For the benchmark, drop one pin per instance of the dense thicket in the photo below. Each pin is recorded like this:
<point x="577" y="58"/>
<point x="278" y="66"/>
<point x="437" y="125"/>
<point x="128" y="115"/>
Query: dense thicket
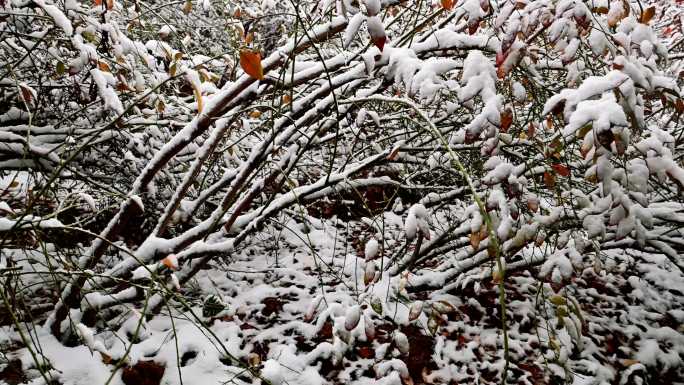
<point x="373" y="191"/>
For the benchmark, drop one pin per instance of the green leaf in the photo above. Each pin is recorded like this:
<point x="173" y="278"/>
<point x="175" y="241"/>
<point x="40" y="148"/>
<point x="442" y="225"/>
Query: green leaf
<point x="376" y="305"/>
<point x="212" y="306"/>
<point x="582" y="132"/>
<point x="557" y="300"/>
<point x="61" y="68"/>
<point x="433" y="323"/>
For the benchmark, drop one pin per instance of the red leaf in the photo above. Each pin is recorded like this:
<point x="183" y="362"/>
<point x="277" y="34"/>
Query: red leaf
<point x="26" y="94"/>
<point x="377" y="32"/>
<point x="380" y="42"/>
<point x="561" y="169"/>
<point x="500" y="57"/>
<point x="366" y="352"/>
<point x="472" y="27"/>
<point x="549" y="179"/>
<point x="506" y="120"/>
<point x="447" y="4"/>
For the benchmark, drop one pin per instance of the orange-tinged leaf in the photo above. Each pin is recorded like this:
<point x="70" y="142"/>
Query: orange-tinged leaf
<point x="585" y="148"/>
<point x="647" y="15"/>
<point x="253" y="359"/>
<point x="250" y="61"/>
<point x="592" y="178"/>
<point x="630" y="362"/>
<point x="501" y="72"/>
<point x="497" y="277"/>
<point x="249" y="37"/>
<point x="549" y="122"/>
<point x="171" y="262"/>
<point x="123" y="87"/>
<point x="483" y="232"/>
<point x="626" y="7"/>
<point x="286" y="99"/>
<point x="200" y="101"/>
<point x="679" y="105"/>
<point x="448" y="4"/>
<point x="109" y="3"/>
<point x="161" y="107"/>
<point x="172" y="69"/>
<point x="106" y="358"/>
<point x="204" y="75"/>
<point x="103" y="66"/>
<point x="475" y="240"/>
<point x="187" y="7"/>
<point x="506" y="120"/>
<point x="549" y="179"/>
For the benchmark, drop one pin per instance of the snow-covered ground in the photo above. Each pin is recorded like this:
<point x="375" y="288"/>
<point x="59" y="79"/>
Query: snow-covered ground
<point x="296" y="310"/>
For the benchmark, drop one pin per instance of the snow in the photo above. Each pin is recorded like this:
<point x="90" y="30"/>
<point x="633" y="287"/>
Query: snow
<point x="57" y="16"/>
<point x="352" y="28"/>
<point x="372" y="248"/>
<point x="346" y="227"/>
<point x="273" y="372"/>
<point x="519" y="92"/>
<point x="402" y="342"/>
<point x="372" y="7"/>
<point x="109" y="97"/>
<point x="29" y="221"/>
<point x="352" y="317"/>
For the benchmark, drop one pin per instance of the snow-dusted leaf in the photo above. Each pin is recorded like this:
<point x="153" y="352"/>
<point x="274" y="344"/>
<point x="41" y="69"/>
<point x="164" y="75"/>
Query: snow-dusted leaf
<point x="352" y="28"/>
<point x="377" y="31"/>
